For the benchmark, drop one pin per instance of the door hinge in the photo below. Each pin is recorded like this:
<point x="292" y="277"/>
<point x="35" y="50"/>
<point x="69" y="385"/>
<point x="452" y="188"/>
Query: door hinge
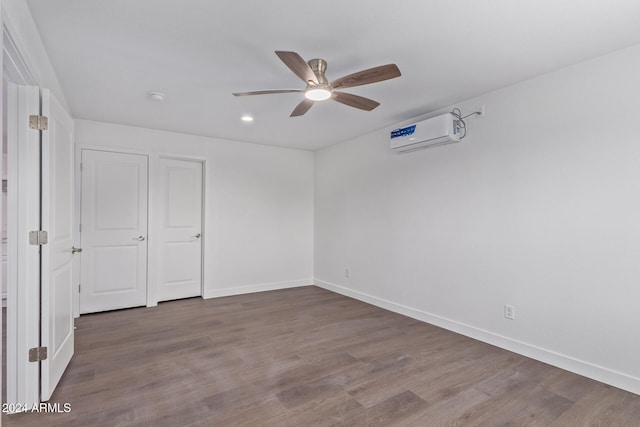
<point x="38" y="122"/>
<point x="38" y="237"/>
<point x="37" y="354"/>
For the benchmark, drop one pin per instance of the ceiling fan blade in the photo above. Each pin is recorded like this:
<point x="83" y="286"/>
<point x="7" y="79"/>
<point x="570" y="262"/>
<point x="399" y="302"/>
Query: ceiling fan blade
<point x="298" y="65"/>
<point x="355" y="101"/>
<point x="365" y="77"/>
<point x="302" y="108"/>
<point x="266" y="92"/>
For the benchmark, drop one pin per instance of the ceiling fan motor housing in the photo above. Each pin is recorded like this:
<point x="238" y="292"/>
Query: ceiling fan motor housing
<point x="319" y="67"/>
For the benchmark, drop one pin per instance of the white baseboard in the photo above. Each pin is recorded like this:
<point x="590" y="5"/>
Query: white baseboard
<point x="239" y="290"/>
<point x="580" y="367"/>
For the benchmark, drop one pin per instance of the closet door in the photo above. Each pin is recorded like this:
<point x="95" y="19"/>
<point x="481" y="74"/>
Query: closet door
<point x="113" y="231"/>
<point x="180" y="238"/>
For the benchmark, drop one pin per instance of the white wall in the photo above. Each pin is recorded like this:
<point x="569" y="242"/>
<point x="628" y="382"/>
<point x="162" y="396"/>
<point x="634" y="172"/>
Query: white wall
<point x="538" y="207"/>
<point x="258" y="200"/>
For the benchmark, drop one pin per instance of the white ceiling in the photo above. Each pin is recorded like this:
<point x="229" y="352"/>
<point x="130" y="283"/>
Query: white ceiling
<point x="109" y="54"/>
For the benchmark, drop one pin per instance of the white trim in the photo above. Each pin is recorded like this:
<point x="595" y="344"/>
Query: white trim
<point x="152" y="176"/>
<point x="18" y="68"/>
<point x="77" y="242"/>
<point x="23" y="215"/>
<point x="174" y="156"/>
<point x="589" y="370"/>
<point x="110" y="149"/>
<point x="240" y="290"/>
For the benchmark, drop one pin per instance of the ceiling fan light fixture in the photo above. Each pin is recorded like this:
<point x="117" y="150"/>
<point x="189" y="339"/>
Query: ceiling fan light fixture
<point x="317" y="94"/>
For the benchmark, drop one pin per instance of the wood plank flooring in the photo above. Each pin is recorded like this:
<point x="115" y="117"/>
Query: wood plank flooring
<point x="309" y="357"/>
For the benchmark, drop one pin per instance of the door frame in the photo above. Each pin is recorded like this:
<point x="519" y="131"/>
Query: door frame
<point x="154" y="226"/>
<point x="22" y="322"/>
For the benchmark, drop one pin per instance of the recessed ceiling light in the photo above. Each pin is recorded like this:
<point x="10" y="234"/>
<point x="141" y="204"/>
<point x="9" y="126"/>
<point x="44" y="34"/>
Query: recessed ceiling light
<point x="246" y="118"/>
<point x="156" y="96"/>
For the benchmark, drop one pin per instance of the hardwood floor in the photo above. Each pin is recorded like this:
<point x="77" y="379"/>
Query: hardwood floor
<point x="309" y="357"/>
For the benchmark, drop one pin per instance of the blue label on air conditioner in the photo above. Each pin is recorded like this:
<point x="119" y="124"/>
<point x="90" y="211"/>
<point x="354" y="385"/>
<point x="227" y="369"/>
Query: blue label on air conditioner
<point x="409" y="130"/>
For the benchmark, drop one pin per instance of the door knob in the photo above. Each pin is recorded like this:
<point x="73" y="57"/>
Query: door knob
<point x="74" y="249"/>
<point x="140" y="238"/>
<point x="197" y="236"/>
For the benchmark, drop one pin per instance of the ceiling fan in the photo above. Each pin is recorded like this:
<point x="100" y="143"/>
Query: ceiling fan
<point x="320" y="89"/>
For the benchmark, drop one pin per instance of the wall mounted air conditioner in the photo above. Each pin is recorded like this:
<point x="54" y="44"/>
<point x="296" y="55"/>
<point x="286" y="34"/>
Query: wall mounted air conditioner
<point x="439" y="130"/>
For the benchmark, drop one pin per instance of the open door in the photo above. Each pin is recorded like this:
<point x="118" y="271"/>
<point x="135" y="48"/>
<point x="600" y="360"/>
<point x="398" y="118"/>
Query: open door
<point x="40" y="292"/>
<point x="56" y="298"/>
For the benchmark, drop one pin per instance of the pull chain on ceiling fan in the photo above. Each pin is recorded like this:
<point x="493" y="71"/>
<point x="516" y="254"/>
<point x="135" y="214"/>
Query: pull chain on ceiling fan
<point x="319" y="88"/>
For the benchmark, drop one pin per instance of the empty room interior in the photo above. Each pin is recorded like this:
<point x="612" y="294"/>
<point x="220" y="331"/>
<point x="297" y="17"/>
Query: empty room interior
<point x="281" y="213"/>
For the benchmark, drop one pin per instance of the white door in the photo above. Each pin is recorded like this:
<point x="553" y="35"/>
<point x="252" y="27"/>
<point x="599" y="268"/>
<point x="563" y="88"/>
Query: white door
<point x="57" y="219"/>
<point x="113" y="231"/>
<point x="40" y="312"/>
<point x="180" y="219"/>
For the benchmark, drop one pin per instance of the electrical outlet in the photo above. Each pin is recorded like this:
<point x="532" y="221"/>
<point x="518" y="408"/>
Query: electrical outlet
<point x="509" y="312"/>
<point x="480" y="109"/>
<point x="347" y="273"/>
